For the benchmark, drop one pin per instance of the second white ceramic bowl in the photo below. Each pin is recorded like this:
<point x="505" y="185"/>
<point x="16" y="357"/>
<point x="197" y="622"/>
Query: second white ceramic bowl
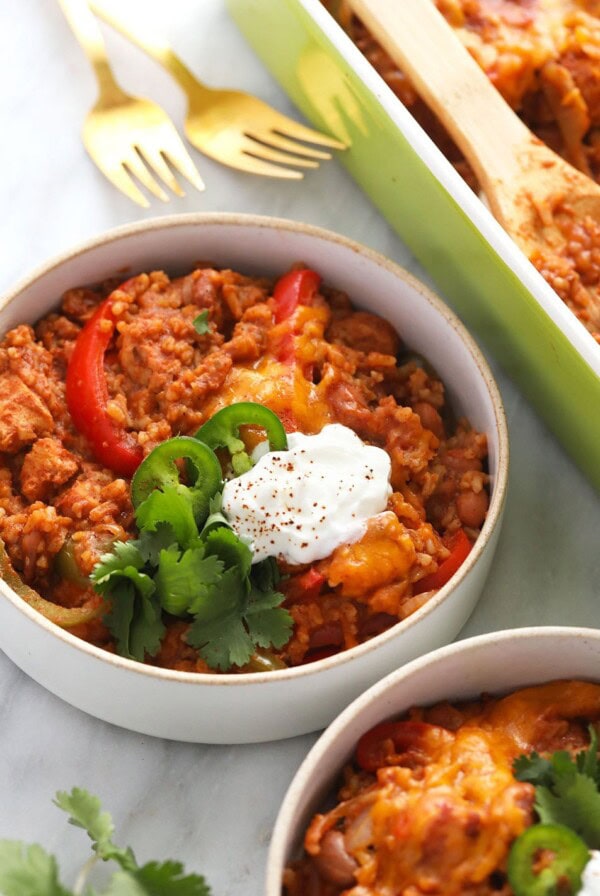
<point x="496" y="663"/>
<point x="263" y="706"/>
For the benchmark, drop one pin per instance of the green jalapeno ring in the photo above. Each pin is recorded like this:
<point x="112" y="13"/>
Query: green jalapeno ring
<point x="562" y="874"/>
<point x="158" y="470"/>
<point x="223" y="431"/>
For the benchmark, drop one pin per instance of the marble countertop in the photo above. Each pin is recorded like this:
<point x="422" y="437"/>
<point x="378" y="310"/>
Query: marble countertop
<point x="213" y="807"/>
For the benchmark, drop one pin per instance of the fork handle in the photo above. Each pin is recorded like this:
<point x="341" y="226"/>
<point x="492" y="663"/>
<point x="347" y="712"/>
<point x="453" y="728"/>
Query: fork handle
<point x="155" y="47"/>
<point x="422" y="43"/>
<point x="89" y="36"/>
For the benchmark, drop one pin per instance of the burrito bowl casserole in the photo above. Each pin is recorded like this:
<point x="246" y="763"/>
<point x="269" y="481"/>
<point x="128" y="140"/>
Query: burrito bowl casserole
<point x="542" y="56"/>
<point x="494" y="795"/>
<point x="95" y="391"/>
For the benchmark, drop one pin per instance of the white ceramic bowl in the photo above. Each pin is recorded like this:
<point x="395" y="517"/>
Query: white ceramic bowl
<point x="265" y="706"/>
<point x="494" y="663"/>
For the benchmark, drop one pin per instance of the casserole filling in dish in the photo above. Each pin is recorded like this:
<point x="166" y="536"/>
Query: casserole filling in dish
<point x="543" y="56"/>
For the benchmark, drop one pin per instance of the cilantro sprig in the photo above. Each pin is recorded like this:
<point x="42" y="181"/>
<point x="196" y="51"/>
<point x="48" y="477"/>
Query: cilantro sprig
<point x="567" y="804"/>
<point x="197" y="570"/>
<point x="28" y="870"/>
<point x="567" y="789"/>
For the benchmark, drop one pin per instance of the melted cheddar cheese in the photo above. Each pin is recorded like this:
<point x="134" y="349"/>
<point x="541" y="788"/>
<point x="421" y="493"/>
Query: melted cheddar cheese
<point x="441" y="810"/>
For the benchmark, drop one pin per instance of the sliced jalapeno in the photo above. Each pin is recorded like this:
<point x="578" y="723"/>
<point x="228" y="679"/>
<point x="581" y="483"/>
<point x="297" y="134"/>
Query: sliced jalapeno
<point x="223" y="431"/>
<point x="159" y="470"/>
<point x="547" y="860"/>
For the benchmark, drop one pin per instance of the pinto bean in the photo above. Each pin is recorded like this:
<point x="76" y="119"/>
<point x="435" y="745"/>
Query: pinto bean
<point x="365" y="332"/>
<point x="327" y="635"/>
<point x="472" y="507"/>
<point x="459" y="461"/>
<point x="335" y="864"/>
<point x="430" y="418"/>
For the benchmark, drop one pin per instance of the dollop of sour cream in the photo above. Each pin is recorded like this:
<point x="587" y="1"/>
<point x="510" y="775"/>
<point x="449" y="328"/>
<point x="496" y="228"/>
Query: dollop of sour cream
<point x="590" y="879"/>
<point x="302" y="503"/>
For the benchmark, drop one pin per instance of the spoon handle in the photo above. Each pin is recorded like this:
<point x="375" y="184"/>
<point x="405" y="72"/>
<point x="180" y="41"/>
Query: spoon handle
<point x="446" y="76"/>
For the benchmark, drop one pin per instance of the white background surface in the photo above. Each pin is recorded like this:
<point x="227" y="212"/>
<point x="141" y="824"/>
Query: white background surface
<point x="213" y="807"/>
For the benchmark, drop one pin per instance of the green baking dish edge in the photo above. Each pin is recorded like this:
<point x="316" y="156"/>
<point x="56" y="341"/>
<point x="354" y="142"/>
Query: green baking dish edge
<point x="481" y="287"/>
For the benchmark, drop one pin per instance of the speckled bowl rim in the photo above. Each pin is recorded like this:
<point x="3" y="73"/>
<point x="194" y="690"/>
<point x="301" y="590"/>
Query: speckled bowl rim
<point x="497" y="502"/>
<point x="376" y="693"/>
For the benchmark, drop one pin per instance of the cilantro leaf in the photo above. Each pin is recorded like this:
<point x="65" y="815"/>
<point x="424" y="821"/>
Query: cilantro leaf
<point x="587" y="760"/>
<point x="134" y="615"/>
<point x="134" y="619"/>
<point x="215" y="517"/>
<point x="230" y="637"/>
<point x="575" y="803"/>
<point x="168" y="879"/>
<point x="124" y="555"/>
<point x="151" y="542"/>
<point x="85" y="812"/>
<point x="223" y="642"/>
<point x="227" y="595"/>
<point x="147" y="628"/>
<point x="225" y="544"/>
<point x="201" y="324"/>
<point x="119" y="618"/>
<point x="268" y="623"/>
<point x="109" y="580"/>
<point x="537" y="770"/>
<point x="28" y="871"/>
<point x="183" y="577"/>
<point x="124" y="883"/>
<point x="265" y="574"/>
<point x="156" y="879"/>
<point x="174" y="505"/>
<point x="533" y="769"/>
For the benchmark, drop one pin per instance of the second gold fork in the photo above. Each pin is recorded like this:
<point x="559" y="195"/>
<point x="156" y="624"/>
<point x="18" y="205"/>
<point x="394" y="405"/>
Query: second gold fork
<point x="233" y="127"/>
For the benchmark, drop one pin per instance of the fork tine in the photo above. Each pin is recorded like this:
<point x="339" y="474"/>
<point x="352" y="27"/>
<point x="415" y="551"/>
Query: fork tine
<point x="290" y="128"/>
<point x="185" y="166"/>
<point x="173" y="149"/>
<point x="133" y="162"/>
<point x="253" y="165"/>
<point x="275" y="140"/>
<point x="262" y="151"/>
<point x="122" y="180"/>
<point x="155" y="159"/>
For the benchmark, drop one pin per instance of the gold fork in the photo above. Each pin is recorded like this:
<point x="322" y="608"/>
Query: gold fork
<point x="123" y="134"/>
<point x="232" y="127"/>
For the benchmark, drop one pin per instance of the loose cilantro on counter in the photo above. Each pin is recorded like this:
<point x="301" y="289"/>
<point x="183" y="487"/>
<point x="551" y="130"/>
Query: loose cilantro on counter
<point x="188" y="562"/>
<point x="28" y="870"/>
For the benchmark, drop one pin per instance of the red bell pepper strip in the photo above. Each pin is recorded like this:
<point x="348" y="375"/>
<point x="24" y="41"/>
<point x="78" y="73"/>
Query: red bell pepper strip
<point x="305" y="587"/>
<point x="87" y="395"/>
<point x="293" y="289"/>
<point x="459" y="547"/>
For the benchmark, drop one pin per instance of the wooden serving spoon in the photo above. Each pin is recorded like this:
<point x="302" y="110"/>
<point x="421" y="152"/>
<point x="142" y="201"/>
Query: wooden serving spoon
<point x="528" y="187"/>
